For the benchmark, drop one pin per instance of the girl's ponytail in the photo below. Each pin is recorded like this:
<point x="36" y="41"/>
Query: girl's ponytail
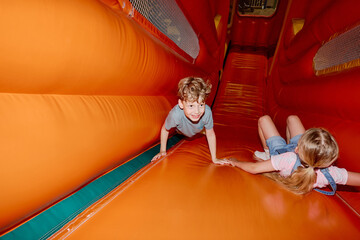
<point x="301" y="181"/>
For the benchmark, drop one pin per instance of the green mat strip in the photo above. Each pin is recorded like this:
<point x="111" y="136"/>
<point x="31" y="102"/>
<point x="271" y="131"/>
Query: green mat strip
<point x="53" y="219"/>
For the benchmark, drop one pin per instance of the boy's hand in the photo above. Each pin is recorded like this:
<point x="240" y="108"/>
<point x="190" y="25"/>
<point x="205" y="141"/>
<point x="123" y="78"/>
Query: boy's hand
<point x="224" y="161"/>
<point x="158" y="156"/>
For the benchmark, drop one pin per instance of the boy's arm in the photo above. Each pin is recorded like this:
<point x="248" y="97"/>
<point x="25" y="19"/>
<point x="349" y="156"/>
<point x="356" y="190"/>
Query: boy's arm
<point x="163" y="141"/>
<point x="253" y="167"/>
<point x="211" y="138"/>
<point x="353" y="179"/>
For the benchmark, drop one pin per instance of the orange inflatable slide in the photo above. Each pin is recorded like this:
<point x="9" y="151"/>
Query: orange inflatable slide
<point x="86" y="86"/>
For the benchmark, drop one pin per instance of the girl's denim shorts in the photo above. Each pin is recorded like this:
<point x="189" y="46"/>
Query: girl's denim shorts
<point x="277" y="144"/>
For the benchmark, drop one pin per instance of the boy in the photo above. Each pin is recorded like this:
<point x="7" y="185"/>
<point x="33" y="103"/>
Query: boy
<point x="191" y="115"/>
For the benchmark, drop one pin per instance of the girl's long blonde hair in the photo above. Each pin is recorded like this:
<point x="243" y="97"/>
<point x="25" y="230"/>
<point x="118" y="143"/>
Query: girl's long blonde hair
<point x="317" y="148"/>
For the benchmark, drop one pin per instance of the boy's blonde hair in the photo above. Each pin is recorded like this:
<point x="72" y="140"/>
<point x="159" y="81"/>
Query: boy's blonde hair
<point x="193" y="89"/>
<point x="317" y="148"/>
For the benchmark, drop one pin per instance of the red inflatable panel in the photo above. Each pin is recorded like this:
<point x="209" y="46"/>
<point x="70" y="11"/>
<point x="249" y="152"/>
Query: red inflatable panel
<point x="254" y="31"/>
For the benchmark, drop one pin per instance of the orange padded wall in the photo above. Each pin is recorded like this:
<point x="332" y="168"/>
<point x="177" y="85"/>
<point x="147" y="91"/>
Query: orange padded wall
<point x="329" y="101"/>
<point x="82" y="89"/>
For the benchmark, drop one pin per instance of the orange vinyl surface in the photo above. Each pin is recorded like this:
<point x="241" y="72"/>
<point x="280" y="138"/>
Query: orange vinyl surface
<point x="186" y="196"/>
<point x="86" y="85"/>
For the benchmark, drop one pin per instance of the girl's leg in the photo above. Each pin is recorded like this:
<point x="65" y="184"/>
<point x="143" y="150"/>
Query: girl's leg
<point x="293" y="127"/>
<point x="267" y="129"/>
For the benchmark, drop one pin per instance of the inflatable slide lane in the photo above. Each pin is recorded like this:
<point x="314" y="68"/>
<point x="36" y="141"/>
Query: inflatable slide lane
<point x="86" y="85"/>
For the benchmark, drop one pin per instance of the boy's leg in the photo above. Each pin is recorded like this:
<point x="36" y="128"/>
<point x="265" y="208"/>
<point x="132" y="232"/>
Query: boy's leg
<point x="294" y="127"/>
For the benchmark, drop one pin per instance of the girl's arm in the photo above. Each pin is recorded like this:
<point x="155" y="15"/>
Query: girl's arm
<point x="353" y="179"/>
<point x="253" y="167"/>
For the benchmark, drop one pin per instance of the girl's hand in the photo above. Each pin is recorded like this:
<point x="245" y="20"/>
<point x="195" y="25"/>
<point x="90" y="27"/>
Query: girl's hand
<point x="158" y="156"/>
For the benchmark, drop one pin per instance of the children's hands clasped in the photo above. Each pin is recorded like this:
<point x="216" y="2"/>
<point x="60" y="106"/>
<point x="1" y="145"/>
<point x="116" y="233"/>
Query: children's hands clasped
<point x="224" y="161"/>
<point x="158" y="156"/>
<point x="229" y="161"/>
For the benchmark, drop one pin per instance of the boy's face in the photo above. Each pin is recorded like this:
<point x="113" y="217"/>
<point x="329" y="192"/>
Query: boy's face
<point x="192" y="110"/>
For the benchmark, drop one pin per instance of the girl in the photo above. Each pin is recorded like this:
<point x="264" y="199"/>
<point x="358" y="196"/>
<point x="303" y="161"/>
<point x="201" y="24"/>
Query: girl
<point x="303" y="162"/>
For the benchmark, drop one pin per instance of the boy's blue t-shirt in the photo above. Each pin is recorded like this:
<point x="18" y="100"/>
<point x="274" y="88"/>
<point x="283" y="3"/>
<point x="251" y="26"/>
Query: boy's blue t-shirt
<point x="176" y="118"/>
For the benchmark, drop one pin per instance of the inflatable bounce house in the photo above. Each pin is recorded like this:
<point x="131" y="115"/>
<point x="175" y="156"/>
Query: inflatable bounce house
<point x="87" y="84"/>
